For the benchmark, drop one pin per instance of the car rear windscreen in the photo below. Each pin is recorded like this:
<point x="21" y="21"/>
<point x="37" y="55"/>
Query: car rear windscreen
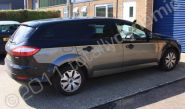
<point x="21" y="34"/>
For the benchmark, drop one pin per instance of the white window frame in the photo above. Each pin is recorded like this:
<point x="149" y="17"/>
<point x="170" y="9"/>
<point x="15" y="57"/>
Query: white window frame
<point x="65" y="12"/>
<point x="82" y="12"/>
<point x="134" y="10"/>
<point x="106" y="9"/>
<point x="76" y="12"/>
<point x="35" y="4"/>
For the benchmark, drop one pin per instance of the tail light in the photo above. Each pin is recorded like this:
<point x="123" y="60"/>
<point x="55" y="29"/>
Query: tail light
<point x="24" y="51"/>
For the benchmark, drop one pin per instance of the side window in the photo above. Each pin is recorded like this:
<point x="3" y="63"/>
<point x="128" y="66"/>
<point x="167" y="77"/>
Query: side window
<point x="140" y="34"/>
<point x="130" y="32"/>
<point x="48" y="34"/>
<point x="103" y="30"/>
<point x="99" y="29"/>
<point x="66" y="31"/>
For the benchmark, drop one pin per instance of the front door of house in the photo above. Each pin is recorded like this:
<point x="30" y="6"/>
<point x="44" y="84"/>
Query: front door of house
<point x="129" y="10"/>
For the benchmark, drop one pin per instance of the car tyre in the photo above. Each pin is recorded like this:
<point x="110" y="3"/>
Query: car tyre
<point x="169" y="60"/>
<point x="68" y="81"/>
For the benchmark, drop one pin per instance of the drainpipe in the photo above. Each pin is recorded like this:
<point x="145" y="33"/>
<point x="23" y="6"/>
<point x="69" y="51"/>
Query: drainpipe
<point x="116" y="8"/>
<point x="25" y="4"/>
<point x="70" y="8"/>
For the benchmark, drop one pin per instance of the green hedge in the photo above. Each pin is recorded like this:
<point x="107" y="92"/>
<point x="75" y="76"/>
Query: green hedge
<point x="27" y="15"/>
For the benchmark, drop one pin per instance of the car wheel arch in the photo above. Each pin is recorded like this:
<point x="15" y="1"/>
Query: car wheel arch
<point x="168" y="47"/>
<point x="72" y="60"/>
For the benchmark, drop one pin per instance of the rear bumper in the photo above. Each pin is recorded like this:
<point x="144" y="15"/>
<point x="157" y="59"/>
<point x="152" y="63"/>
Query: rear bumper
<point x="29" y="74"/>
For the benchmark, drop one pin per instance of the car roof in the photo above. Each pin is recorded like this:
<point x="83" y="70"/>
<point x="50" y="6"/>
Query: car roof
<point x="9" y="23"/>
<point x="36" y="23"/>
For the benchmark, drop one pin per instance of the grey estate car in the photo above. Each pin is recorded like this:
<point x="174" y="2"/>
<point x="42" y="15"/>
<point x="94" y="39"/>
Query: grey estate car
<point x="66" y="52"/>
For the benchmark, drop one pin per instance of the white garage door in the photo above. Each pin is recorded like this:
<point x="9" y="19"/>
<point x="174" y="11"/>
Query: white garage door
<point x="5" y="6"/>
<point x="129" y="10"/>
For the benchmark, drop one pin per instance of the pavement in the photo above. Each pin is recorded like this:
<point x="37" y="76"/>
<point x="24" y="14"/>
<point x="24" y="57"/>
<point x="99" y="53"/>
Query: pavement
<point x="171" y="96"/>
<point x="133" y="89"/>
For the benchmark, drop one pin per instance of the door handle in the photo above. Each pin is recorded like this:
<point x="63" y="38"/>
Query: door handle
<point x="130" y="46"/>
<point x="88" y="48"/>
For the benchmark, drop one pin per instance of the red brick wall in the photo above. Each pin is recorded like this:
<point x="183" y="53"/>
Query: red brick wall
<point x="145" y="13"/>
<point x="144" y="9"/>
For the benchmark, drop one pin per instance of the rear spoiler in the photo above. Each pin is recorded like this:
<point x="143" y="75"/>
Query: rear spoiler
<point x="31" y="24"/>
<point x="27" y="25"/>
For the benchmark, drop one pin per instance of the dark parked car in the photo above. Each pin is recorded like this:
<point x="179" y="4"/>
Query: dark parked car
<point x="7" y="28"/>
<point x="67" y="52"/>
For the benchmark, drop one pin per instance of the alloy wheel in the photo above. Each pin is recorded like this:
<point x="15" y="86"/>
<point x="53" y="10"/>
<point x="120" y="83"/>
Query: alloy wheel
<point x="170" y="60"/>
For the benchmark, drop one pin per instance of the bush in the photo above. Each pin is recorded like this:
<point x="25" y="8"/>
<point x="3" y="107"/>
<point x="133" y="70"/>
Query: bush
<point x="27" y="15"/>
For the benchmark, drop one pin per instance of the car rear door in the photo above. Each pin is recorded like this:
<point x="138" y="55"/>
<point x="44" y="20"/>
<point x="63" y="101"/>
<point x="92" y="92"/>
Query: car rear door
<point x="102" y="52"/>
<point x="138" y="48"/>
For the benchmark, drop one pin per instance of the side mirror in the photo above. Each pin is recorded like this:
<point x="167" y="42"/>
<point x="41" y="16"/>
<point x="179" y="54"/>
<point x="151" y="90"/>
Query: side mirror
<point x="150" y="35"/>
<point x="134" y="21"/>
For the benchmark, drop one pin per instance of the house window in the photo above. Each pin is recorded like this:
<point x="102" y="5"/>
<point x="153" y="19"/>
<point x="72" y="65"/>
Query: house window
<point x="47" y="3"/>
<point x="131" y="11"/>
<point x="101" y="11"/>
<point x="84" y="14"/>
<point x="104" y="10"/>
<point x="84" y="11"/>
<point x="65" y="12"/>
<point x="110" y="11"/>
<point x="35" y="4"/>
<point x="75" y="12"/>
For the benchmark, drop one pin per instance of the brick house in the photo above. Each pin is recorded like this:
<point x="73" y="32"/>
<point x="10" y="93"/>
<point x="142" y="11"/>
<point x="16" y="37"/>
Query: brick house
<point x="32" y="4"/>
<point x="18" y="4"/>
<point x="140" y="10"/>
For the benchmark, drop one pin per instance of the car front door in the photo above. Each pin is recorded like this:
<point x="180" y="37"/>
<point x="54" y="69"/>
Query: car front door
<point x="138" y="48"/>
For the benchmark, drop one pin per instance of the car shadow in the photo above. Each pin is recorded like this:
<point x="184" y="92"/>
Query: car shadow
<point x="103" y="90"/>
<point x="147" y="97"/>
<point x="2" y="59"/>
